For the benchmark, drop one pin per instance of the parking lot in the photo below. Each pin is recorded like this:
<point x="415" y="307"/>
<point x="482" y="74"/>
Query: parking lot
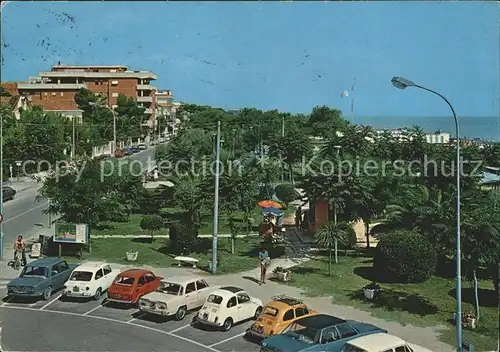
<point x="93" y="324"/>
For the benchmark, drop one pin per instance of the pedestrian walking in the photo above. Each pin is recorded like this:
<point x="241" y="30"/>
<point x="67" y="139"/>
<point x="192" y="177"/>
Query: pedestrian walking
<point x="298" y="217"/>
<point x="265" y="261"/>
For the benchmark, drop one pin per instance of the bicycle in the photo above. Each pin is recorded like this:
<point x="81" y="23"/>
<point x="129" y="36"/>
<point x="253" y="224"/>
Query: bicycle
<point x="16" y="263"/>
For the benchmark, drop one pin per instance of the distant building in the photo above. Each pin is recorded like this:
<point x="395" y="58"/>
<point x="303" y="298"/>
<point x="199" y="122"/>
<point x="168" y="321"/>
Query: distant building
<point x="55" y="90"/>
<point x="168" y="108"/>
<point x="438" y="137"/>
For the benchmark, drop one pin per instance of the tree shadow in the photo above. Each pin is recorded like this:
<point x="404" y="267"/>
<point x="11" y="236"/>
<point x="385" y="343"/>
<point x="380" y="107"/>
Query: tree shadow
<point x="304" y="271"/>
<point x="142" y="240"/>
<point x="393" y="300"/>
<point x="253" y="279"/>
<point x="487" y="298"/>
<point x="371" y="274"/>
<point x="274" y="250"/>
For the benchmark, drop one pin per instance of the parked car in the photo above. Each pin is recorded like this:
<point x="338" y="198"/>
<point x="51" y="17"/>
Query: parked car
<point x="8" y="193"/>
<point x="278" y="315"/>
<point x="135" y="149"/>
<point x="176" y="296"/>
<point x="90" y="280"/>
<point x="41" y="278"/>
<point x="128" y="151"/>
<point x="319" y="332"/>
<point x="227" y="306"/>
<point x="142" y="146"/>
<point x="381" y="343"/>
<point x="130" y="285"/>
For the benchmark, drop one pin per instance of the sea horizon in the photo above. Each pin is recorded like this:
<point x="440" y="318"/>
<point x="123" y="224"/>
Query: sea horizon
<point x="486" y="128"/>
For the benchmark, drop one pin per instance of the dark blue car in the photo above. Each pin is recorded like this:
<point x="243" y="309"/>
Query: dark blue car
<point x="318" y="333"/>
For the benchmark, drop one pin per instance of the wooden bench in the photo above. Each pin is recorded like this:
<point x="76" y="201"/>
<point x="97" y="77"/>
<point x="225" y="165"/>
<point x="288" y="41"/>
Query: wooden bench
<point x="187" y="260"/>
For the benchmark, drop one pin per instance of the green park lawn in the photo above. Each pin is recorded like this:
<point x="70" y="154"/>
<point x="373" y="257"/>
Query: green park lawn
<point x="159" y="253"/>
<point x="132" y="227"/>
<point x="430" y="303"/>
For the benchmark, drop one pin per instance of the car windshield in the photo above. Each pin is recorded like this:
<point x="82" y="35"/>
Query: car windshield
<point x="125" y="280"/>
<point x="169" y="288"/>
<point x="33" y="271"/>
<point x="214" y="299"/>
<point x="81" y="276"/>
<point x="302" y="333"/>
<point x="270" y="311"/>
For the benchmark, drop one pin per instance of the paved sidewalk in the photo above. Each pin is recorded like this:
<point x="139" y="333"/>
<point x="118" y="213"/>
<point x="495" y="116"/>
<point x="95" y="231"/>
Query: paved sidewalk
<point x="424" y="336"/>
<point x="22" y="186"/>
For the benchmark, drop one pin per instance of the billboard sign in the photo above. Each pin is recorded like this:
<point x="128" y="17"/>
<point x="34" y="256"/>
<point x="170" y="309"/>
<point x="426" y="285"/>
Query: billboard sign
<point x="71" y="233"/>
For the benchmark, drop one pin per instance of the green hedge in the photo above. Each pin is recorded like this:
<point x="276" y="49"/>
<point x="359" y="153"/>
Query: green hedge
<point x="406" y="256"/>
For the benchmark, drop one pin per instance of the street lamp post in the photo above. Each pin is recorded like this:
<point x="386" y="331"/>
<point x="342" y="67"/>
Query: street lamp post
<point x="1" y="187"/>
<point x="402" y="83"/>
<point x="337" y="152"/>
<point x="215" y="222"/>
<point x="114" y="122"/>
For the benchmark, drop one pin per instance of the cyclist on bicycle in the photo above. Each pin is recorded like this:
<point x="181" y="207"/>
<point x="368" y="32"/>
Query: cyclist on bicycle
<point x="20" y="247"/>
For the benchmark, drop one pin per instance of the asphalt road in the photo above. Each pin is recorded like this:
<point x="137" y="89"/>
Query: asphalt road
<point x="57" y="325"/>
<point x="22" y="213"/>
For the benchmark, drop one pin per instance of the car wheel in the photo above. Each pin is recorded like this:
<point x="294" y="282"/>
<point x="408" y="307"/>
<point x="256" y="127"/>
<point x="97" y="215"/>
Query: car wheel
<point x="257" y="313"/>
<point x="228" y="324"/>
<point x="47" y="293"/>
<point x="181" y="313"/>
<point x="97" y="294"/>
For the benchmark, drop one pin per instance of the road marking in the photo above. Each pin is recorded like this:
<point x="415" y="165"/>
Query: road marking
<point x="6" y="302"/>
<point x="49" y="303"/>
<point x="228" y="339"/>
<point x="178" y="329"/>
<point x="114" y="321"/>
<point x="92" y="310"/>
<point x="25" y="212"/>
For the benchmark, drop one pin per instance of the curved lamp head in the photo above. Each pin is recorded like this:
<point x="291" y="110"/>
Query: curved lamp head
<point x="401" y="83"/>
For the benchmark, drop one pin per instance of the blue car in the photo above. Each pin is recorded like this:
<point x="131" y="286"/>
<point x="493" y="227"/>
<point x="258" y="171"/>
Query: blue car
<point x="41" y="278"/>
<point x="320" y="332"/>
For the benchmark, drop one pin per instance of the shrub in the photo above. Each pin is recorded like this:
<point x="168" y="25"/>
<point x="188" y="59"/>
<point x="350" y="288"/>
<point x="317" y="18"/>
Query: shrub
<point x="285" y="192"/>
<point x="406" y="256"/>
<point x="151" y="223"/>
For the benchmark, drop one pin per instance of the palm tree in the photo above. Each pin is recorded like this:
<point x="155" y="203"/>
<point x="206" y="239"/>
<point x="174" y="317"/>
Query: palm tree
<point x="328" y="236"/>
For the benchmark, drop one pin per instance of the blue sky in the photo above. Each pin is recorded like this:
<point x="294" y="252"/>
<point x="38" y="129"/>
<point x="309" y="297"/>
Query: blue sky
<point x="289" y="56"/>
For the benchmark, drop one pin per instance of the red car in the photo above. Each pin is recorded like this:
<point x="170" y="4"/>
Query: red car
<point x="130" y="285"/>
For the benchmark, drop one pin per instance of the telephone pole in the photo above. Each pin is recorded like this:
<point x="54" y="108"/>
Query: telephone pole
<point x="215" y="223"/>
<point x="281" y="156"/>
<point x="73" y="147"/>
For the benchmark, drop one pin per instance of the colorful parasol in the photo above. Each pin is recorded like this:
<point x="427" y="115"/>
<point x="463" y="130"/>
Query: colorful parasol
<point x="269" y="204"/>
<point x="272" y="211"/>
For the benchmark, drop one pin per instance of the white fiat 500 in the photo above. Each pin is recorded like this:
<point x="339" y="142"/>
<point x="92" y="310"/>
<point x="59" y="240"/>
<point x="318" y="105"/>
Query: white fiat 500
<point x="227" y="306"/>
<point x="89" y="280"/>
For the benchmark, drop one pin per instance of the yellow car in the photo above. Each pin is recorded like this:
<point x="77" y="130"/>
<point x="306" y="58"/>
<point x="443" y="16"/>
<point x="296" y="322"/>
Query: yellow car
<point x="278" y="315"/>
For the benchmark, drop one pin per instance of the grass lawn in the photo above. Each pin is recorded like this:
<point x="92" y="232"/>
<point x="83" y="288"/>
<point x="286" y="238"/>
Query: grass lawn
<point x="131" y="227"/>
<point x="427" y="304"/>
<point x="158" y="253"/>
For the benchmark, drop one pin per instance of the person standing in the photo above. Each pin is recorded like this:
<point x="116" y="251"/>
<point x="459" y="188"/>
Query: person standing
<point x="265" y="261"/>
<point x="20" y="248"/>
<point x="298" y="217"/>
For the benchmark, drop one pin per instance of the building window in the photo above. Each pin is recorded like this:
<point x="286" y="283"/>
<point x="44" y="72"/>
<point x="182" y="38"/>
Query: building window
<point x="112" y="70"/>
<point x="114" y="95"/>
<point x="114" y="83"/>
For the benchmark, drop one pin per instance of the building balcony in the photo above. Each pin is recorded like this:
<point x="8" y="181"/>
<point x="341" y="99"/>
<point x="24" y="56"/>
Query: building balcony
<point x="48" y="86"/>
<point x="80" y="74"/>
<point x="145" y="99"/>
<point x="146" y="87"/>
